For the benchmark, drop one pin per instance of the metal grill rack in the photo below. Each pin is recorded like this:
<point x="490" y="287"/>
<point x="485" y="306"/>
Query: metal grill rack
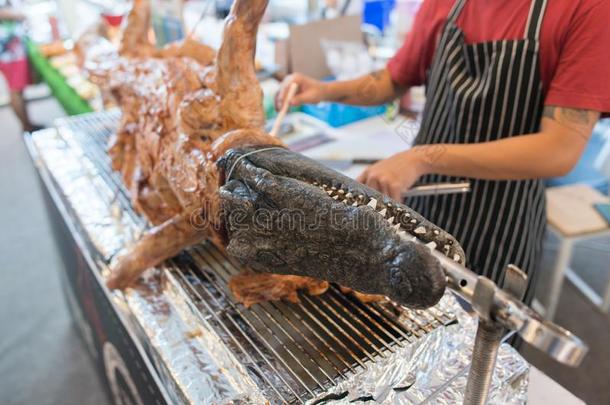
<point x="294" y="352"/>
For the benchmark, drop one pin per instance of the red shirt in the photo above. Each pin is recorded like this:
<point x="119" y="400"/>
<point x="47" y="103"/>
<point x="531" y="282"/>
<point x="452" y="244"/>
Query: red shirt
<point x="574" y="45"/>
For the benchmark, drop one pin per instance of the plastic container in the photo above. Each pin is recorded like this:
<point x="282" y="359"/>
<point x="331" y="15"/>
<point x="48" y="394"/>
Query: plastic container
<point x="337" y="115"/>
<point x="377" y="13"/>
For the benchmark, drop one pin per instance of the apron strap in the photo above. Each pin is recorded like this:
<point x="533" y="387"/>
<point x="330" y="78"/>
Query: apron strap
<point x="534" y="20"/>
<point x="455" y="11"/>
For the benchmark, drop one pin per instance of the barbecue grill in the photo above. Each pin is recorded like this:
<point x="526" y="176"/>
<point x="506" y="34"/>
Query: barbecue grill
<point x="180" y="337"/>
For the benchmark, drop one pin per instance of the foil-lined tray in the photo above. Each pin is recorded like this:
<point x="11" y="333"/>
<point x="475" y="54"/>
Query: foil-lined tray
<point x="197" y="364"/>
<point x="435" y="370"/>
<point x="194" y="366"/>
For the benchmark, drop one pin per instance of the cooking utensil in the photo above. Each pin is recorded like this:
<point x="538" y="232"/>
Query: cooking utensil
<point x="439" y="189"/>
<point x="292" y="91"/>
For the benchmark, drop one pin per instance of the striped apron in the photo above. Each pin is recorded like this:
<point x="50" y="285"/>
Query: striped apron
<point x="480" y="93"/>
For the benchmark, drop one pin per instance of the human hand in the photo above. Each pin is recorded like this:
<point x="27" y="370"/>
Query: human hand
<point x="395" y="175"/>
<point x="310" y="91"/>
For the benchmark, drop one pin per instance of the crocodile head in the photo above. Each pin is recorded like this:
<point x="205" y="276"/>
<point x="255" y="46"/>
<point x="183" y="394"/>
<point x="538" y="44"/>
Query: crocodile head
<point x="287" y="214"/>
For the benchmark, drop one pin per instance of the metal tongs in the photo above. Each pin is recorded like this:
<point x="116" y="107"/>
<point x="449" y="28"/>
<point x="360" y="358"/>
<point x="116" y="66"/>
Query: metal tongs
<point x="439" y="189"/>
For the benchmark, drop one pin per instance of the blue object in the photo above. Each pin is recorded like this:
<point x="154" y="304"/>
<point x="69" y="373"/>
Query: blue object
<point x="337" y="115"/>
<point x="167" y="29"/>
<point x="377" y="13"/>
<point x="585" y="171"/>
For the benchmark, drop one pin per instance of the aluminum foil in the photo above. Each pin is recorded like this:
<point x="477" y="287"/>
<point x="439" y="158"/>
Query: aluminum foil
<point x="168" y="321"/>
<point x="434" y="369"/>
<point x="196" y="365"/>
<point x="193" y="364"/>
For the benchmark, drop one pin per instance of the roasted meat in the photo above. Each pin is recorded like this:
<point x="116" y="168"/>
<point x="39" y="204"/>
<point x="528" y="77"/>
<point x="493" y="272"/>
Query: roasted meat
<point x="193" y="153"/>
<point x="285" y="213"/>
<point x="251" y="288"/>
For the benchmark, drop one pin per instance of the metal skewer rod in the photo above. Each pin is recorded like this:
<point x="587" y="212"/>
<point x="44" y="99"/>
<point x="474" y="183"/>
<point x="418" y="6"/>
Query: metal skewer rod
<point x="512" y="314"/>
<point x="503" y="308"/>
<point x="500" y="309"/>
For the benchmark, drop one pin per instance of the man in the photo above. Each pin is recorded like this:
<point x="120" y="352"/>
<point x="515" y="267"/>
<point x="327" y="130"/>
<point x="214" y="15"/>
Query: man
<point x="514" y="89"/>
<point x="13" y="60"/>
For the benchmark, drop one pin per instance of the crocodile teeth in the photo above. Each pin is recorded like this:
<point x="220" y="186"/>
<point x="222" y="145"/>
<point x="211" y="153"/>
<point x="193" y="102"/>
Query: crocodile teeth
<point x="355" y="204"/>
<point x="405" y="236"/>
<point x="349" y="195"/>
<point x="336" y="197"/>
<point x="413" y="221"/>
<point x="372" y="203"/>
<point x="390" y="220"/>
<point x="431" y="245"/>
<point x="341" y="192"/>
<point x="396" y="227"/>
<point x="383" y="212"/>
<point x="329" y="192"/>
<point x="420" y="231"/>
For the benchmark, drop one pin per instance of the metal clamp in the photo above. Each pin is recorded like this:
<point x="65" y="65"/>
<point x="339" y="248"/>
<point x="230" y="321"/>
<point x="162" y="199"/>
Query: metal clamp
<point x="501" y="309"/>
<point x="489" y="332"/>
<point x="512" y="314"/>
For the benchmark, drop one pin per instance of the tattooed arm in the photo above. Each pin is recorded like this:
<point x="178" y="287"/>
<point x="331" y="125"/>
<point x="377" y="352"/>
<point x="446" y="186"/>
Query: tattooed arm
<point x="569" y="121"/>
<point x="552" y="152"/>
<point x="373" y="89"/>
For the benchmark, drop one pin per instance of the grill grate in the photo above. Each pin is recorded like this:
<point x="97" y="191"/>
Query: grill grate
<point x="292" y="351"/>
